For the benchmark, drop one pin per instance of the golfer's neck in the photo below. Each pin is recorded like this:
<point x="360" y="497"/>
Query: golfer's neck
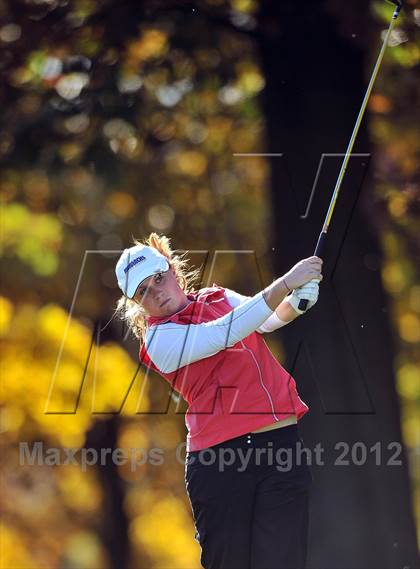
<point x="184" y="302"/>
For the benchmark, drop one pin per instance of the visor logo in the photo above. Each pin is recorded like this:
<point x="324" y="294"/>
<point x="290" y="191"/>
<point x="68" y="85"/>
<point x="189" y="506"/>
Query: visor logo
<point x="134" y="262"/>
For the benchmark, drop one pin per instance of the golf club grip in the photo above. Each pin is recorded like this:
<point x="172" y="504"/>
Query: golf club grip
<point x="303" y="303"/>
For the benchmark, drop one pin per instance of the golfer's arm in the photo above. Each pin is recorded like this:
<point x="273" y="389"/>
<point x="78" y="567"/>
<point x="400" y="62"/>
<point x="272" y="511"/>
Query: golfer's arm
<point x="171" y="346"/>
<point x="283" y="314"/>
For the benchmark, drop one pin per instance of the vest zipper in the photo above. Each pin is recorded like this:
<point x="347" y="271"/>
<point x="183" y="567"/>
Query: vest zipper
<point x="261" y="380"/>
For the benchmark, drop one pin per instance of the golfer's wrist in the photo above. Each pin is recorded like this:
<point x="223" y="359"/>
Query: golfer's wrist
<point x="288" y="289"/>
<point x="286" y="312"/>
<point x="276" y="292"/>
<point x="290" y="301"/>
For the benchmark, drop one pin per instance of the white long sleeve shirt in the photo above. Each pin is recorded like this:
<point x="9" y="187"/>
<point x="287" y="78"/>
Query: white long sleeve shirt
<point x="171" y="345"/>
<point x="272" y="323"/>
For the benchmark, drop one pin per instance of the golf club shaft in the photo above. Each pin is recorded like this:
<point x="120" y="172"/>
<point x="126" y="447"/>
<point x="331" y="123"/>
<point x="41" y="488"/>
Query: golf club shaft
<point x="322" y="237"/>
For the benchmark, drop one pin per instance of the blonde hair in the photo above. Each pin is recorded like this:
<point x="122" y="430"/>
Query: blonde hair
<point x="132" y="311"/>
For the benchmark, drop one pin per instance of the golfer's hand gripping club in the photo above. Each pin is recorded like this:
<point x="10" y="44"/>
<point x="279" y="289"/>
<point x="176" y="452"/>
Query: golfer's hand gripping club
<point x="308" y="292"/>
<point x="303" y="303"/>
<point x="302" y="281"/>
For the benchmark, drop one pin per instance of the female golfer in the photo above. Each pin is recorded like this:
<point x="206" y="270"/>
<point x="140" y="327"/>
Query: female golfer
<point x="246" y="474"/>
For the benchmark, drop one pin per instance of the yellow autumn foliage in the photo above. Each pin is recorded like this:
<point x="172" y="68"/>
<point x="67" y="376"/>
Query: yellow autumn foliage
<point x="44" y="356"/>
<point x="164" y="529"/>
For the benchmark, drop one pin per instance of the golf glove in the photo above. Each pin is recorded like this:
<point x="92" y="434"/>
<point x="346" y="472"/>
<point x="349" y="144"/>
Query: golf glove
<point x="308" y="291"/>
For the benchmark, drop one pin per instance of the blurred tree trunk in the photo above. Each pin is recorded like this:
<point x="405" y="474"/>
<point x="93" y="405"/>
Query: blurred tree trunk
<point x="114" y="523"/>
<point x="314" y="58"/>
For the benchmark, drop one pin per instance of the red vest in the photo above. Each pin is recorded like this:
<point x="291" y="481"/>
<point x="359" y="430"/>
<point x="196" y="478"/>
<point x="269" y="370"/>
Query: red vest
<point x="238" y="390"/>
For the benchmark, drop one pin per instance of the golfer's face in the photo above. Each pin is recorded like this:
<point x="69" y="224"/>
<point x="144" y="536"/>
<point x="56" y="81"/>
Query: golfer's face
<point x="160" y="294"/>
